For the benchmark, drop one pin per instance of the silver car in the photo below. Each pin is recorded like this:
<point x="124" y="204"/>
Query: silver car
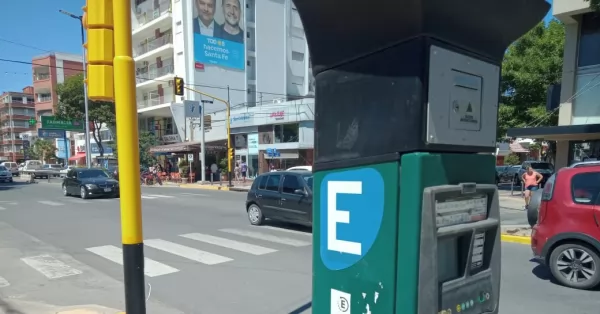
<point x="5" y="175"/>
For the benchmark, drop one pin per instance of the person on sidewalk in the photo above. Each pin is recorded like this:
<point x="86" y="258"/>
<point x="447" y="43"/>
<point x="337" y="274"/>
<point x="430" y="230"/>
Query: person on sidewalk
<point x="244" y="170"/>
<point x="531" y="182"/>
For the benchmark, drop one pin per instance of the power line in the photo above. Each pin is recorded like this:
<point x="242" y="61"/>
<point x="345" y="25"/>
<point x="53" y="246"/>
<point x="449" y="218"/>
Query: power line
<point x="162" y="81"/>
<point x="23" y="45"/>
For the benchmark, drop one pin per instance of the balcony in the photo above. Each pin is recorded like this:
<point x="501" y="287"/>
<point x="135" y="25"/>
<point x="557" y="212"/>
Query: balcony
<point x="11" y="142"/>
<point x="152" y="98"/>
<point x="41" y="77"/>
<point x="151" y="47"/>
<point x="151" y="74"/>
<point x="149" y="15"/>
<point x="44" y="98"/>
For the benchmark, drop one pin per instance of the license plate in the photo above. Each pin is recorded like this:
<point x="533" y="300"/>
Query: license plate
<point x="107" y="190"/>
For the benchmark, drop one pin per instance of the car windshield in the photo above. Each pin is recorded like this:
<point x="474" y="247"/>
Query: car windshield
<point x="88" y="174"/>
<point x="2" y="168"/>
<point x="309" y="180"/>
<point x="541" y="166"/>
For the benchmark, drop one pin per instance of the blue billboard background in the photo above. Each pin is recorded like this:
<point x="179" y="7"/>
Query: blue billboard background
<point x="60" y="148"/>
<point x="225" y="53"/>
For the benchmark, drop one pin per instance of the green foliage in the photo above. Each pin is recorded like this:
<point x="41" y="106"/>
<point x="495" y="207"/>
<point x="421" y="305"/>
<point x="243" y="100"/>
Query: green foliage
<point x="594" y="5"/>
<point x="42" y="150"/>
<point x="223" y="163"/>
<point x="530" y="65"/>
<point x="512" y="160"/>
<point x="71" y="105"/>
<point x="147" y="141"/>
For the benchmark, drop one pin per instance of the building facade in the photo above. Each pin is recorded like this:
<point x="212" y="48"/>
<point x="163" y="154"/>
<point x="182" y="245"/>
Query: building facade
<point x="49" y="70"/>
<point x="247" y="52"/>
<point x="577" y="135"/>
<point x="16" y="110"/>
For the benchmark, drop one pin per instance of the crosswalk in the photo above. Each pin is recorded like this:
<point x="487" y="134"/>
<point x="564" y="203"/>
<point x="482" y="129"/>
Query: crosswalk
<point x="261" y="241"/>
<point x="65" y="201"/>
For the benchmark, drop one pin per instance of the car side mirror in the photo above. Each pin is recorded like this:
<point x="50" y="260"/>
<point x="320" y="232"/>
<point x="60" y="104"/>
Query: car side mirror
<point x="300" y="192"/>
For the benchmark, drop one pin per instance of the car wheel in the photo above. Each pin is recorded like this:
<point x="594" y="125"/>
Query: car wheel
<point x="576" y="266"/>
<point x="83" y="193"/>
<point x="255" y="215"/>
<point x="64" y="189"/>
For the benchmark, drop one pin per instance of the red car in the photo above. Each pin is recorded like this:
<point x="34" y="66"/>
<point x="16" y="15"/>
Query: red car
<point x="566" y="237"/>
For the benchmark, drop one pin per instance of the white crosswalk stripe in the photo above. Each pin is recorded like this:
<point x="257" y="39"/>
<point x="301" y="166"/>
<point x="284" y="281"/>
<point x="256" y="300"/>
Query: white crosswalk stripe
<point x="76" y="201"/>
<point x="306" y="234"/>
<point x="51" y="203"/>
<point x="152" y="268"/>
<point x="230" y="244"/>
<point x="266" y="237"/>
<point x="50" y="266"/>
<point x="153" y="196"/>
<point x="187" y="252"/>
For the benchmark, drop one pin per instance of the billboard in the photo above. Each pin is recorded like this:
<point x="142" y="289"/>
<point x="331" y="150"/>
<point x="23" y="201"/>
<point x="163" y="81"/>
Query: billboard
<point x="219" y="33"/>
<point x="60" y="148"/>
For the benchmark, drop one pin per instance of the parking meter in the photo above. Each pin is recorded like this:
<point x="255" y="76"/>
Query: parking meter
<point x="405" y="207"/>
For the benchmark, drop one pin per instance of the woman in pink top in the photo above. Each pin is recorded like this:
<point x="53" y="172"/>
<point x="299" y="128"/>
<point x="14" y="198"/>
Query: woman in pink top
<point x="531" y="181"/>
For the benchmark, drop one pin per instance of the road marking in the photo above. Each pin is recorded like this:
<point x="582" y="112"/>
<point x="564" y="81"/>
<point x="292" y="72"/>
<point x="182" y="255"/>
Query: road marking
<point x="152" y="268"/>
<point x="4" y="283"/>
<point x="50" y="266"/>
<point x="148" y="197"/>
<point x="78" y="201"/>
<point x="307" y="234"/>
<point x="158" y="196"/>
<point x="266" y="237"/>
<point x="187" y="252"/>
<point x="193" y="194"/>
<point x="230" y="244"/>
<point x="51" y="203"/>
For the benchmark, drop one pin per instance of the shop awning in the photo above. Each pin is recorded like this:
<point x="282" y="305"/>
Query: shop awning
<point x="186" y="147"/>
<point x="558" y="133"/>
<point x="77" y="156"/>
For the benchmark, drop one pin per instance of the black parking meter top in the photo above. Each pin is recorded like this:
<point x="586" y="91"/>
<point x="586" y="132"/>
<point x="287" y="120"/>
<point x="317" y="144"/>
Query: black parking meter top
<point x="341" y="30"/>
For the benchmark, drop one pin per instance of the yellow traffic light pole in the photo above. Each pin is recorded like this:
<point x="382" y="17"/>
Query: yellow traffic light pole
<point x="227" y="118"/>
<point x="128" y="146"/>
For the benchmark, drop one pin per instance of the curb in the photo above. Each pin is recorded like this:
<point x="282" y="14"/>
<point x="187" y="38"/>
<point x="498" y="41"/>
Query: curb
<point x="205" y="187"/>
<point x="515" y="239"/>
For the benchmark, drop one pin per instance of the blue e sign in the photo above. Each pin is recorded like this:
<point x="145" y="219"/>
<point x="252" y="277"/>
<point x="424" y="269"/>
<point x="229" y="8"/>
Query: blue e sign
<point x="352" y="204"/>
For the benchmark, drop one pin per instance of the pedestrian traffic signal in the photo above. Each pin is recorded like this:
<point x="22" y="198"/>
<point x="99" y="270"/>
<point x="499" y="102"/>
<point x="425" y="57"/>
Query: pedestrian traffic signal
<point x="178" y="86"/>
<point x="98" y="21"/>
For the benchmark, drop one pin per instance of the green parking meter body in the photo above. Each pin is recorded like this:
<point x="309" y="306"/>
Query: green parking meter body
<point x="401" y="113"/>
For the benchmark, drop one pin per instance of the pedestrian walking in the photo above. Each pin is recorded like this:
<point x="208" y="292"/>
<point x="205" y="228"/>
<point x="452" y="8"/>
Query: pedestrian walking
<point x="531" y="181"/>
<point x="244" y="170"/>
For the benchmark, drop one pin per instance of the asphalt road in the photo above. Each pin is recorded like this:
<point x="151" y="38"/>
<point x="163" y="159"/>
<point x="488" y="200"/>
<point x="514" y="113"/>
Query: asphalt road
<point x="65" y="251"/>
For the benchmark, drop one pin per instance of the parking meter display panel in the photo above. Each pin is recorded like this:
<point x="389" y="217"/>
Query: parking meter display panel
<point x="354" y="232"/>
<point x="465" y="235"/>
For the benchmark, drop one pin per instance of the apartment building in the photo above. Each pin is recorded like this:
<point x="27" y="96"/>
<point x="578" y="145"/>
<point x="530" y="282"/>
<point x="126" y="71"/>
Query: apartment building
<point x="258" y="55"/>
<point x="577" y="134"/>
<point x="49" y="70"/>
<point x="16" y="109"/>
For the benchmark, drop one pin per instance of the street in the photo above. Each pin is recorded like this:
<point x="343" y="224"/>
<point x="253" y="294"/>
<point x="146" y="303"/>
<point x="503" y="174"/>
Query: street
<point x="202" y="256"/>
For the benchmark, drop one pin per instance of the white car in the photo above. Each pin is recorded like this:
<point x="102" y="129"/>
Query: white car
<point x="300" y="168"/>
<point x="5" y="175"/>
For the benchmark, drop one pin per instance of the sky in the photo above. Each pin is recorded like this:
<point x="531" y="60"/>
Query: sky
<point x="39" y="29"/>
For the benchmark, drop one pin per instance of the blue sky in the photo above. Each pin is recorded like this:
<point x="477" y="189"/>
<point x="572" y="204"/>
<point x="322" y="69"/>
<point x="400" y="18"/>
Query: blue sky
<point x="39" y="25"/>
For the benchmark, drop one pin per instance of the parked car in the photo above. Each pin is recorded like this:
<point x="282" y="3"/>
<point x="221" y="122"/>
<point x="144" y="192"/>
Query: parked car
<point x="566" y="236"/>
<point x="281" y="195"/>
<point x="89" y="183"/>
<point x="301" y="168"/>
<point x="12" y="167"/>
<point x="546" y="169"/>
<point x="53" y="168"/>
<point x="5" y="174"/>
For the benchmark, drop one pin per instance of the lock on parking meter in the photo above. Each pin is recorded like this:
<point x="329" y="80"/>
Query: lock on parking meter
<point x="405" y="209"/>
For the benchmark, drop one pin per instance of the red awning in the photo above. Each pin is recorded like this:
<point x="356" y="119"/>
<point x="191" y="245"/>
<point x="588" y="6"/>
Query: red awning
<point x="77" y="156"/>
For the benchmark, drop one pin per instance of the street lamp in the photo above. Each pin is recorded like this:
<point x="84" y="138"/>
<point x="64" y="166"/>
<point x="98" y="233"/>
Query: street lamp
<point x="88" y="150"/>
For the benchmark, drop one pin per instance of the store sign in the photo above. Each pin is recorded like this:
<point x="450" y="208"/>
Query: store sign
<point x="240" y="119"/>
<point x="95" y="150"/>
<point x="171" y="138"/>
<point x="273" y="152"/>
<point x="253" y="144"/>
<point x="277" y="115"/>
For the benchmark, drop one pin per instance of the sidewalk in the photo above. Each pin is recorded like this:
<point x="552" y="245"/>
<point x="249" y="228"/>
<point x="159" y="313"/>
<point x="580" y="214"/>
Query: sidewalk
<point x="24" y="307"/>
<point x="237" y="187"/>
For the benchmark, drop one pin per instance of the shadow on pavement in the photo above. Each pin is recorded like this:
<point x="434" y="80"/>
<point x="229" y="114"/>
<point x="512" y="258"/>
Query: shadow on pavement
<point x="290" y="226"/>
<point x="303" y="308"/>
<point x="8" y="309"/>
<point x="13" y="185"/>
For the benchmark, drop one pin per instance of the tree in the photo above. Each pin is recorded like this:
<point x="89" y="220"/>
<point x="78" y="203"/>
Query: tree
<point x="594" y="5"/>
<point x="512" y="160"/>
<point x="71" y="105"/>
<point x="42" y="150"/>
<point x="147" y="141"/>
<point x="530" y="65"/>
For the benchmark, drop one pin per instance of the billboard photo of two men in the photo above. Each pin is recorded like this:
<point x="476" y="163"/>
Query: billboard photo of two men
<point x="219" y="43"/>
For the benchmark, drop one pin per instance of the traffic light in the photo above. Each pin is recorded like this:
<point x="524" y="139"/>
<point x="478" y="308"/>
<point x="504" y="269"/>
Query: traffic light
<point x="231" y="153"/>
<point x="98" y="21"/>
<point x="178" y="86"/>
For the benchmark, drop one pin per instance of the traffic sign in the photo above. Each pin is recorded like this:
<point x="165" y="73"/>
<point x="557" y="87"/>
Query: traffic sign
<point x="51" y="133"/>
<point x="352" y="205"/>
<point x="192" y="108"/>
<point x="52" y="122"/>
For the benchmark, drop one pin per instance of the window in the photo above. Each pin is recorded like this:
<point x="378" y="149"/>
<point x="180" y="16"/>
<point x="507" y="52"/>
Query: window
<point x="291" y="184"/>
<point x="585" y="188"/>
<point x="309" y="180"/>
<point x="263" y="183"/>
<point x="589" y="40"/>
<point x="297" y="56"/>
<point x="273" y="183"/>
<point x="287" y="133"/>
<point x="585" y="105"/>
